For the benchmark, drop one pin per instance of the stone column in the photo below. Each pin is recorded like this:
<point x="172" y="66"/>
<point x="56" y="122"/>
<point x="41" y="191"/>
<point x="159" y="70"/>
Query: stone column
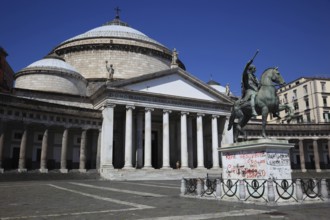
<point x="128" y="137"/>
<point x="43" y="157"/>
<point x="83" y="141"/>
<point x="200" y="141"/>
<point x="107" y="137"/>
<point x="147" y="138"/>
<point x="98" y="152"/>
<point x="215" y="142"/>
<point x="21" y="161"/>
<point x="166" y="139"/>
<point x="64" y="150"/>
<point x="227" y="136"/>
<point x="2" y="142"/>
<point x="184" y="140"/>
<point x="316" y="156"/>
<point x="302" y="155"/>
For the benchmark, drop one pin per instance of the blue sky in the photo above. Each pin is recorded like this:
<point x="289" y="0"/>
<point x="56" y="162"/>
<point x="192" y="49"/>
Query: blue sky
<point x="214" y="37"/>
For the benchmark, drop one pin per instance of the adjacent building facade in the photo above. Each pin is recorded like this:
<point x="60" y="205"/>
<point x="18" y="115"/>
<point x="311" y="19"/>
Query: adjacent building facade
<point x="309" y="129"/>
<point x="6" y="73"/>
<point x="309" y="97"/>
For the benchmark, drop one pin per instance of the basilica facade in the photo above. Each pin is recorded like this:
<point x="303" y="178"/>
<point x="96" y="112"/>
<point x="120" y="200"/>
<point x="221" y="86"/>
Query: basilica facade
<point x="113" y="100"/>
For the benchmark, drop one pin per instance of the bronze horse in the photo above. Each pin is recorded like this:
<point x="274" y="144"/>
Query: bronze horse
<point x="266" y="101"/>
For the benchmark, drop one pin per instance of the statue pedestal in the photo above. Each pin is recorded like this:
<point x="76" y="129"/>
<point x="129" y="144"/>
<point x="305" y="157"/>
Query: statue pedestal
<point x="258" y="159"/>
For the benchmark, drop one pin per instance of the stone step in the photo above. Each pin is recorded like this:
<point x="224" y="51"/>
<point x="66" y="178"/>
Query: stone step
<point x="157" y="174"/>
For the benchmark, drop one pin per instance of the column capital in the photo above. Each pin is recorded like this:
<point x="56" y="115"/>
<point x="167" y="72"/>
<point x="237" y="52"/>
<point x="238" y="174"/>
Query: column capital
<point x="108" y="105"/>
<point x="167" y="111"/>
<point x="200" y="114"/>
<point x="130" y="107"/>
<point x="215" y="116"/>
<point x="149" y="109"/>
<point x="184" y="113"/>
<point x="85" y="128"/>
<point x="67" y="126"/>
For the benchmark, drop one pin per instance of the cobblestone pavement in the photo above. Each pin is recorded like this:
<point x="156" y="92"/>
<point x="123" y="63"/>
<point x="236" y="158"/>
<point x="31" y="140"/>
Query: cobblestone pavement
<point x="160" y="200"/>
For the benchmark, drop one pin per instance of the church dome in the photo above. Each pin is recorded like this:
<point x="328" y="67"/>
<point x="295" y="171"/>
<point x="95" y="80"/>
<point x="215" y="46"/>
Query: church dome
<point x="129" y="51"/>
<point x="51" y="74"/>
<point x="115" y="30"/>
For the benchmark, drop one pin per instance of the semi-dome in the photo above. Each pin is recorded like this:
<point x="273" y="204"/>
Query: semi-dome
<point x="51" y="74"/>
<point x="129" y="51"/>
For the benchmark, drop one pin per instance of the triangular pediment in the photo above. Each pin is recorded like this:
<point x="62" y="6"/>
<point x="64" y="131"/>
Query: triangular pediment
<point x="173" y="82"/>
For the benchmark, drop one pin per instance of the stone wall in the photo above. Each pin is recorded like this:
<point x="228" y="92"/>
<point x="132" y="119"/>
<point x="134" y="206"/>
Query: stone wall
<point x="91" y="63"/>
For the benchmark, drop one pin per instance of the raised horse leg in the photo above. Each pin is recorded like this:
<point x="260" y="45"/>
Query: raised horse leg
<point x="289" y="110"/>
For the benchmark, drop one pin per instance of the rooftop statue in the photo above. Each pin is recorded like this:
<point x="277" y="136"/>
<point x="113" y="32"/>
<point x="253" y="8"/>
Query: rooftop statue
<point x="110" y="70"/>
<point x="258" y="98"/>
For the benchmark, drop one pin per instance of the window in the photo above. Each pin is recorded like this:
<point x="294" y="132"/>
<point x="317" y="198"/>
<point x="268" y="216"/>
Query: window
<point x="296" y="106"/>
<point x="77" y="139"/>
<point x="308" y="117"/>
<point x="300" y="119"/>
<point x="324" y="101"/>
<point x="286" y="98"/>
<point x="38" y="137"/>
<point x="307" y="103"/>
<point x="323" y="86"/>
<point x="294" y="97"/>
<point x="326" y="116"/>
<point x="17" y="135"/>
<point x="305" y="90"/>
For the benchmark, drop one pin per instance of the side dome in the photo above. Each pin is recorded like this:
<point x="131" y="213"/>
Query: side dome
<point x="216" y="86"/>
<point x="129" y="51"/>
<point x="51" y="74"/>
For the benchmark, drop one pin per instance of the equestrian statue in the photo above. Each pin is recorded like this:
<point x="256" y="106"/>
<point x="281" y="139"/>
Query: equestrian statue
<point x="258" y="98"/>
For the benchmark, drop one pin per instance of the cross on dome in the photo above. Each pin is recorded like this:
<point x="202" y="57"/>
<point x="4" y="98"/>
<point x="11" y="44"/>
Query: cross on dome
<point x="117" y="10"/>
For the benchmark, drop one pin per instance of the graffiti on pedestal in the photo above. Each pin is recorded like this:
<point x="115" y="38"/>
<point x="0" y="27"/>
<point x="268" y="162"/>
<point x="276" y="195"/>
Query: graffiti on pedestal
<point x="244" y="165"/>
<point x="279" y="165"/>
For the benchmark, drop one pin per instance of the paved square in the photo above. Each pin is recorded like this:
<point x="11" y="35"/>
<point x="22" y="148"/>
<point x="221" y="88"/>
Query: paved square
<point x="160" y="200"/>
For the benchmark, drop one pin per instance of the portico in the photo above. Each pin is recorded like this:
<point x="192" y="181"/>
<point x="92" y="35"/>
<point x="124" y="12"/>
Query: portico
<point x="163" y="140"/>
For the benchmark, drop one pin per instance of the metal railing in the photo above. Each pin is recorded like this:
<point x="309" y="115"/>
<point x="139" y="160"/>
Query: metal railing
<point x="263" y="190"/>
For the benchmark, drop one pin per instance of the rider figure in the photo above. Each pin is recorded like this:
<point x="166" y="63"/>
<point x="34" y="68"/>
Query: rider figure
<point x="250" y="85"/>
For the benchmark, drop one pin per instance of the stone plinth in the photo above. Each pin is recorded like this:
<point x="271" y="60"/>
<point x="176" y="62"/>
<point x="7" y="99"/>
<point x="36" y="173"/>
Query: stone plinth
<point x="258" y="159"/>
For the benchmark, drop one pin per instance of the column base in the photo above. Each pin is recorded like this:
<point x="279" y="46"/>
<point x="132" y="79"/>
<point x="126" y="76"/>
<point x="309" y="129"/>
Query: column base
<point x="128" y="168"/>
<point x="64" y="170"/>
<point x="2" y="170"/>
<point x="303" y="170"/>
<point x="43" y="170"/>
<point x="22" y="170"/>
<point x="318" y="170"/>
<point x="82" y="170"/>
<point x="183" y="168"/>
<point x="200" y="168"/>
<point x="147" y="168"/>
<point x="166" y="168"/>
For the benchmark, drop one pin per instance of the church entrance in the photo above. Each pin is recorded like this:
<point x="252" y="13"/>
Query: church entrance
<point x="155" y="162"/>
<point x="15" y="158"/>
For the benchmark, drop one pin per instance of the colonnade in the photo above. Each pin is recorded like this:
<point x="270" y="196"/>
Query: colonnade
<point x="316" y="153"/>
<point x="44" y="148"/>
<point x="107" y="138"/>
